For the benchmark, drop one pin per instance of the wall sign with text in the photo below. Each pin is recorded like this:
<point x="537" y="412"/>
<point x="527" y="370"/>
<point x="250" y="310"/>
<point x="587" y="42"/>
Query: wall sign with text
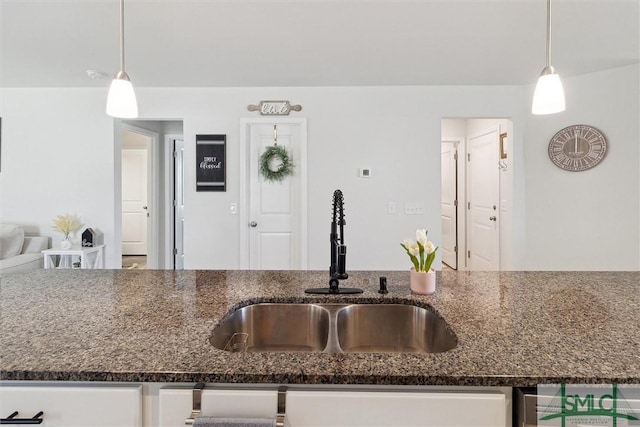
<point x="211" y="159"/>
<point x="274" y="108"/>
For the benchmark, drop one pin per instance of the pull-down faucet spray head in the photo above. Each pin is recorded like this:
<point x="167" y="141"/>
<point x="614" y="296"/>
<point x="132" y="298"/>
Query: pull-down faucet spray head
<point x="337" y="268"/>
<point x="338" y="264"/>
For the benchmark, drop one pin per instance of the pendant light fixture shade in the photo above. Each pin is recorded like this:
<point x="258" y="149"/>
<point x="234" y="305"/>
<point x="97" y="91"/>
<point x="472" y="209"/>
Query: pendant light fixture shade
<point x="121" y="101"/>
<point x="548" y="97"/>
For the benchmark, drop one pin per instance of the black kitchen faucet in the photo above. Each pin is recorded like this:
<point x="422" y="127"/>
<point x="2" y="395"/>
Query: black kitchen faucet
<point x="338" y="265"/>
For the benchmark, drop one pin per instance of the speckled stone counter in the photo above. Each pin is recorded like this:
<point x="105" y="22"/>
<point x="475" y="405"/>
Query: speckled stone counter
<point x="513" y="328"/>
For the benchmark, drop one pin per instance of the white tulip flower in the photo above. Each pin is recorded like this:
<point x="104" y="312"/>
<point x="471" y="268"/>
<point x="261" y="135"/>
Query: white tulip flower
<point x="421" y="236"/>
<point x="429" y="247"/>
<point x="421" y="252"/>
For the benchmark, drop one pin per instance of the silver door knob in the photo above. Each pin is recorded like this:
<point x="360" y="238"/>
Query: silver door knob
<point x="492" y="218"/>
<point x="253" y="224"/>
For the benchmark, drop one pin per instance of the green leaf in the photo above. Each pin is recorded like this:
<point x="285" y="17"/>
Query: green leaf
<point x="413" y="259"/>
<point x="430" y="258"/>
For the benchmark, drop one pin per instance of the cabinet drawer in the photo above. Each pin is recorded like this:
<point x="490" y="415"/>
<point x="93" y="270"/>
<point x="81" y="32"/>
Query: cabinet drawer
<point x="348" y="407"/>
<point x="70" y="405"/>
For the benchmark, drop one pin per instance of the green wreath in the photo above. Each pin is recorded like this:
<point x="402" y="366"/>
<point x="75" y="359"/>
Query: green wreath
<point x="286" y="165"/>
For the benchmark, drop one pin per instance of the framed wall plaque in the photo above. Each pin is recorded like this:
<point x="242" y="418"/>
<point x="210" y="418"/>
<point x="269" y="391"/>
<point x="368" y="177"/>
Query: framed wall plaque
<point x="211" y="163"/>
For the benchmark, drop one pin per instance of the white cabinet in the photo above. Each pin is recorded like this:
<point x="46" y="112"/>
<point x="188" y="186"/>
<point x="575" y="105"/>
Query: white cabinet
<point x="73" y="404"/>
<point x="170" y="404"/>
<point x="344" y="406"/>
<point x="395" y="408"/>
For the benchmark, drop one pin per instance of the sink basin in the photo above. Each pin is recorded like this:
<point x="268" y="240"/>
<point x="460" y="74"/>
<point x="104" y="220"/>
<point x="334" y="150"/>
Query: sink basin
<point x="274" y="327"/>
<point x="392" y="328"/>
<point x="333" y="328"/>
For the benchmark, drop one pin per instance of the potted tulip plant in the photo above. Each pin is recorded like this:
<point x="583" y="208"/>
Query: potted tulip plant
<point x="422" y="253"/>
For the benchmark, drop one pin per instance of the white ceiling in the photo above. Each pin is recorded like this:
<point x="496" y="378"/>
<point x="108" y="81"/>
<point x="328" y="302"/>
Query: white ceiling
<point x="175" y="43"/>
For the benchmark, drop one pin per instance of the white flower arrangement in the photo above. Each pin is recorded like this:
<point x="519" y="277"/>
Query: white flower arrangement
<point x="66" y="224"/>
<point x="421" y="252"/>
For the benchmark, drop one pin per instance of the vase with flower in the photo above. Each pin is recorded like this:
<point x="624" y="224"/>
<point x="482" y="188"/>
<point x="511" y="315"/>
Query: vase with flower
<point x="422" y="253"/>
<point x="66" y="224"/>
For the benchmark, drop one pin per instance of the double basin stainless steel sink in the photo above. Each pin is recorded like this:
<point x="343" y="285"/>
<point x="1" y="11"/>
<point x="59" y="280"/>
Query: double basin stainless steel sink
<point x="333" y="328"/>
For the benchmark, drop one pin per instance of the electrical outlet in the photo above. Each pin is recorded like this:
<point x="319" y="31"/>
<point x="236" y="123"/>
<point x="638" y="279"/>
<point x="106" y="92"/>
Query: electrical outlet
<point x="414" y="208"/>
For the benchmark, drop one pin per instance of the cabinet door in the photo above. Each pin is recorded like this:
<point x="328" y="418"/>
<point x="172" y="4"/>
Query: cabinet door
<point x="395" y="409"/>
<point x="69" y="405"/>
<point x="349" y="407"/>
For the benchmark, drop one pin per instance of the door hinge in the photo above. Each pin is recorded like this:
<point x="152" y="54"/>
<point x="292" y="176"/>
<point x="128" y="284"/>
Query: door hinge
<point x="455" y="249"/>
<point x="469" y="205"/>
<point x="175" y="203"/>
<point x="175" y="251"/>
<point x="468" y="254"/>
<point x="468" y="157"/>
<point x="455" y="156"/>
<point x="175" y="154"/>
<point x="455" y="203"/>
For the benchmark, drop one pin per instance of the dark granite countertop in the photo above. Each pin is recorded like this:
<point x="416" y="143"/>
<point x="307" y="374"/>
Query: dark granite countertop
<point x="514" y="328"/>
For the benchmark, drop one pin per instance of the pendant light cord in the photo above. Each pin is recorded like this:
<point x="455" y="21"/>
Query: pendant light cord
<point x="121" y="35"/>
<point x="548" y="32"/>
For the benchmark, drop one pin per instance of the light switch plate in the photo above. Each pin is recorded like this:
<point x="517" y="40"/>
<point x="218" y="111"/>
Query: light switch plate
<point x="233" y="208"/>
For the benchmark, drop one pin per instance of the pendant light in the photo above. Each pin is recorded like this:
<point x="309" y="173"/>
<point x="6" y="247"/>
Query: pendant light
<point x="548" y="97"/>
<point x="121" y="101"/>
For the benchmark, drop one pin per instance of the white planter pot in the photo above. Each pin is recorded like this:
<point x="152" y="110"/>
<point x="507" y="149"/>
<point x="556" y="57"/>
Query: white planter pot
<point x="423" y="283"/>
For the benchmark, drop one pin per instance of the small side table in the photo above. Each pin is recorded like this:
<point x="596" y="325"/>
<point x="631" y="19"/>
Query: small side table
<point x="90" y="257"/>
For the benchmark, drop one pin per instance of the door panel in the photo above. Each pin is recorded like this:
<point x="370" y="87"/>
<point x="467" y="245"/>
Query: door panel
<point x="274" y="207"/>
<point x="483" y="196"/>
<point x="275" y="250"/>
<point x="449" y="214"/>
<point x="134" y="201"/>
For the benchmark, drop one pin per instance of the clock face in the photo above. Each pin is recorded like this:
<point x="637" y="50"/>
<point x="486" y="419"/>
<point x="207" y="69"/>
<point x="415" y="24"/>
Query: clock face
<point x="577" y="148"/>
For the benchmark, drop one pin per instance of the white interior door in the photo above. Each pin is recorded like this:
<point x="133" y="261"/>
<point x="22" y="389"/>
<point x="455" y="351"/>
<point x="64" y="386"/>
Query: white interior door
<point x="276" y="212"/>
<point x="134" y="201"/>
<point x="449" y="208"/>
<point x="483" y="195"/>
<point x="178" y="204"/>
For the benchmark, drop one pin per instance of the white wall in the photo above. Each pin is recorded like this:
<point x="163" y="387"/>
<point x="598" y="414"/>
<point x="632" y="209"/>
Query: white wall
<point x="395" y="131"/>
<point x="57" y="157"/>
<point x="587" y="220"/>
<point x="49" y="132"/>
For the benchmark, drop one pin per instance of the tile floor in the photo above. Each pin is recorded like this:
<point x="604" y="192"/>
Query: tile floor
<point x="130" y="262"/>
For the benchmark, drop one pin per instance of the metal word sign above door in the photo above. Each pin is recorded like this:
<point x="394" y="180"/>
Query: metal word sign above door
<point x="211" y="163"/>
<point x="274" y="108"/>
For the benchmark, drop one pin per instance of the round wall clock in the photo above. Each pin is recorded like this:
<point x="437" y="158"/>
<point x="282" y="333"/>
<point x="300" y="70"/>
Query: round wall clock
<point x="577" y="148"/>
